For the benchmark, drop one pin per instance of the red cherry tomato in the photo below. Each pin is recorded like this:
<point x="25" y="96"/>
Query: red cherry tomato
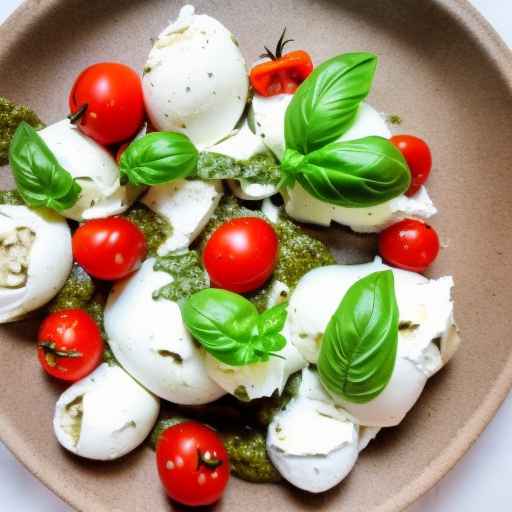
<point x="109" y="248"/>
<point x="283" y="73"/>
<point x="241" y="254"/>
<point x="419" y="159"/>
<point x="106" y="102"/>
<point x="69" y="344"/>
<point x="409" y="244"/>
<point x="192" y="463"/>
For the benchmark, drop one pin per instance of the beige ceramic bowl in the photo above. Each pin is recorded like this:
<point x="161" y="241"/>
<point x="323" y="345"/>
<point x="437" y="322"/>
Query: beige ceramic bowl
<point x="446" y="73"/>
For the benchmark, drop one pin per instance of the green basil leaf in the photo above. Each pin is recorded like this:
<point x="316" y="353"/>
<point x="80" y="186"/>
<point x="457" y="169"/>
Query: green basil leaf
<point x="326" y="103"/>
<point x="157" y="158"/>
<point x="358" y="351"/>
<point x="40" y="179"/>
<point x="261" y="168"/>
<point x="355" y="174"/>
<point x="228" y="326"/>
<point x="272" y="320"/>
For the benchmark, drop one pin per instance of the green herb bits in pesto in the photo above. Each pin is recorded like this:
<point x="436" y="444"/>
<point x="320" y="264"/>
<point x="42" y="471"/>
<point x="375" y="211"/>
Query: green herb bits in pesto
<point x="11" y="115"/>
<point x="187" y="272"/>
<point x="11" y="197"/>
<point x="156" y="229"/>
<point x="248" y="456"/>
<point x="77" y="291"/>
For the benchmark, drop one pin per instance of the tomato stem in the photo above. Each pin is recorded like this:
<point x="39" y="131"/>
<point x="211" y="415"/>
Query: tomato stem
<point x="209" y="462"/>
<point x="51" y="352"/>
<point x="74" y="117"/>
<point x="279" y="48"/>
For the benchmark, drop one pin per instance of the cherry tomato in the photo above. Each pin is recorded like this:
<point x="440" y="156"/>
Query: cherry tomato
<point x="282" y="74"/>
<point x="69" y="344"/>
<point x="109" y="248"/>
<point x="241" y="254"/>
<point x="106" y="102"/>
<point x="192" y="463"/>
<point x="409" y="244"/>
<point x="419" y="159"/>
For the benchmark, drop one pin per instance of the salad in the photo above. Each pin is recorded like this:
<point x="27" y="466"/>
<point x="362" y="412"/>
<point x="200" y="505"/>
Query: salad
<point x="186" y="303"/>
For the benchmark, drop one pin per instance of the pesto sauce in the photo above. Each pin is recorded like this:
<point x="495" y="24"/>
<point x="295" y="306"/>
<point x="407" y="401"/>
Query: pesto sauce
<point x="11" y="115"/>
<point x="248" y="456"/>
<point x="76" y="292"/>
<point x="188" y="276"/>
<point x="262" y="168"/>
<point x="11" y="197"/>
<point x="156" y="229"/>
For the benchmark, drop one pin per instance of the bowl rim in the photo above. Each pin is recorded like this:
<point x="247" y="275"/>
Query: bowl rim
<point x="463" y="13"/>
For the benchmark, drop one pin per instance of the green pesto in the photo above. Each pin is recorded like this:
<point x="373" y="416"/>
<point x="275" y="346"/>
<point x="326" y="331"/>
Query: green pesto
<point x="266" y="408"/>
<point x="156" y="228"/>
<point x="161" y="426"/>
<point x="261" y="168"/>
<point x="188" y="276"/>
<point x="298" y="253"/>
<point x="76" y="292"/>
<point x="11" y="116"/>
<point x="241" y="394"/>
<point x="11" y="197"/>
<point x="248" y="456"/>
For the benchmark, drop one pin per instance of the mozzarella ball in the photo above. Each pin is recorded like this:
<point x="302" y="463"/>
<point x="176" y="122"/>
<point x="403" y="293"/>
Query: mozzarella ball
<point x="105" y="415"/>
<point x="426" y="317"/>
<point x="195" y="79"/>
<point x="311" y="442"/>
<point x="188" y="206"/>
<point x="258" y="379"/>
<point x="149" y="339"/>
<point x="35" y="259"/>
<point x="94" y="169"/>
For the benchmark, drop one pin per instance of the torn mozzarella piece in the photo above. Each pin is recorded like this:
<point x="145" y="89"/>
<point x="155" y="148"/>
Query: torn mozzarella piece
<point x="149" y="339"/>
<point x="311" y="442"/>
<point x="187" y="205"/>
<point x="256" y="380"/>
<point x="105" y="415"/>
<point x="426" y="318"/>
<point x="94" y="169"/>
<point x="207" y="97"/>
<point x="35" y="259"/>
<point x="303" y="207"/>
<point x="366" y="436"/>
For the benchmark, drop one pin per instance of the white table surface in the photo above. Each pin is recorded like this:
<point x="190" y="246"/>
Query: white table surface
<point x="481" y="482"/>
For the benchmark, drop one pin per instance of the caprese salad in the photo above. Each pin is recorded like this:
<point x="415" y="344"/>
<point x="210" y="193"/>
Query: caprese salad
<point x="160" y="225"/>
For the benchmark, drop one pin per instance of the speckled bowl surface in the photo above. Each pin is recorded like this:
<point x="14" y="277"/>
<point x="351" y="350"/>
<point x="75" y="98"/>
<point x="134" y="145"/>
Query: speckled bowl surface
<point x="448" y="76"/>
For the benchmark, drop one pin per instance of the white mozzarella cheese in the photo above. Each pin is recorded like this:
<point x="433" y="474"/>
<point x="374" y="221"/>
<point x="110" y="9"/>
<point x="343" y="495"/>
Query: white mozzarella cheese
<point x="35" y="259"/>
<point x="187" y="205"/>
<point x="149" y="339"/>
<point x="195" y="79"/>
<point x="259" y="379"/>
<point x="424" y="305"/>
<point x="94" y="169"/>
<point x="311" y="442"/>
<point x="105" y="415"/>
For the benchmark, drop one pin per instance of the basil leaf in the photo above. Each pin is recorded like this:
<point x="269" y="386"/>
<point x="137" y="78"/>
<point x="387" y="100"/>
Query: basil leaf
<point x="326" y="103"/>
<point x="359" y="345"/>
<point x="261" y="168"/>
<point x="354" y="174"/>
<point x="272" y="320"/>
<point x="40" y="179"/>
<point x="228" y="326"/>
<point x="157" y="158"/>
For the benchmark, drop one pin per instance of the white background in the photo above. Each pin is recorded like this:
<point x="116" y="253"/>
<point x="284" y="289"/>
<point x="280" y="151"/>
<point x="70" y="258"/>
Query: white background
<point x="481" y="482"/>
